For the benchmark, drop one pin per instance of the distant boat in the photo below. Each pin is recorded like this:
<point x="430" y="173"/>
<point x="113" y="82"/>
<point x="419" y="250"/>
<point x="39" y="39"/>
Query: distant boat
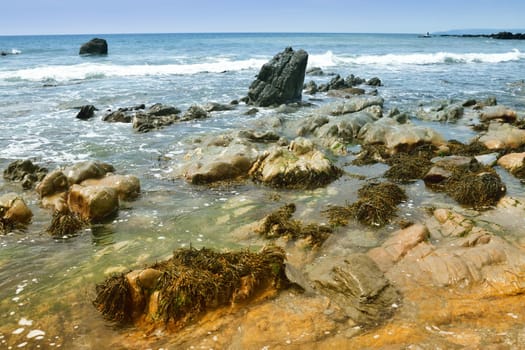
<point x="427" y="35"/>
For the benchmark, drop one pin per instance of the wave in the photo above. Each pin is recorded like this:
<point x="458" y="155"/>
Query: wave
<point x="83" y="71"/>
<point x="329" y="59"/>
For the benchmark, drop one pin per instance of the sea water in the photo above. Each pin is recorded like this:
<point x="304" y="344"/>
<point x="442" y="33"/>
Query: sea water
<point x="46" y="285"/>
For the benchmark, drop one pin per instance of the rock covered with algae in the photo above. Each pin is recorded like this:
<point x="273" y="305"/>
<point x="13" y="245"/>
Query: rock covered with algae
<point x="176" y="291"/>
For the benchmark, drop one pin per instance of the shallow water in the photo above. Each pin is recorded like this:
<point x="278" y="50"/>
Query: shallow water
<point x="46" y="285"/>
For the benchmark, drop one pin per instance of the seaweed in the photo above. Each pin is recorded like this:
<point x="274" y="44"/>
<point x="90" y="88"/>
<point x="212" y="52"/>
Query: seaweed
<point x="472" y="149"/>
<point x="65" y="223"/>
<point x="280" y="224"/>
<point x="480" y="189"/>
<point x="376" y="205"/>
<point x="190" y="283"/>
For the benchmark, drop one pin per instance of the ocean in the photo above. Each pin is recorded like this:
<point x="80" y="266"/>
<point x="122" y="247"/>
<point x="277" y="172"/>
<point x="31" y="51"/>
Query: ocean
<point x="47" y="284"/>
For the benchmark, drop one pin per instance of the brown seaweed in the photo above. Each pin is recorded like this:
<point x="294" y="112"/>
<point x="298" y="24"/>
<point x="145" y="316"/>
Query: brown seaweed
<point x="65" y="223"/>
<point x="190" y="283"/>
<point x="376" y="205"/>
<point x="280" y="224"/>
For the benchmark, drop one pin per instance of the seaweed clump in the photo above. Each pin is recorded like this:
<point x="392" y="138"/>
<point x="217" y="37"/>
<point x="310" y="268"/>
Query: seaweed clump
<point x="178" y="290"/>
<point x="376" y="205"/>
<point x="479" y="189"/>
<point x="409" y="166"/>
<point x="65" y="224"/>
<point x="280" y="224"/>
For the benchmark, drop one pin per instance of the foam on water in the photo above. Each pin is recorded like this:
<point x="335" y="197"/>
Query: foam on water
<point x="84" y="71"/>
<point x="329" y="59"/>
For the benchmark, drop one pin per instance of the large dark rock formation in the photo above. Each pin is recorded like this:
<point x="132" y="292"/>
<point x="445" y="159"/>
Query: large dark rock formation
<point x="280" y="80"/>
<point x="95" y="46"/>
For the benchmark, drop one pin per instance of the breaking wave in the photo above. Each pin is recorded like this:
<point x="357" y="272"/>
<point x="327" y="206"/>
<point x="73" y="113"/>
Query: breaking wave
<point x="84" y="71"/>
<point x="329" y="59"/>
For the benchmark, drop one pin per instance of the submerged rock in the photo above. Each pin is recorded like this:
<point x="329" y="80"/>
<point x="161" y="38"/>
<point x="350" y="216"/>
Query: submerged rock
<point x="279" y="80"/>
<point x="280" y="224"/>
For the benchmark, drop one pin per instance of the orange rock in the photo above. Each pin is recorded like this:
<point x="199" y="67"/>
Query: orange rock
<point x="14" y="209"/>
<point x="92" y="202"/>
<point x="127" y="186"/>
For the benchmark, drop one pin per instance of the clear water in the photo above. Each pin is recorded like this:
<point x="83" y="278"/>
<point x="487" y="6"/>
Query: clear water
<point x="46" y="285"/>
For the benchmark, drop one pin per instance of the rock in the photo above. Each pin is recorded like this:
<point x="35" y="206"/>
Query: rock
<point x="127" y="186"/>
<point x="118" y="116"/>
<point x="358" y="287"/>
<point x="53" y="183"/>
<point x="86" y="112"/>
<point x="13" y="211"/>
<point x="160" y="110"/>
<point x="346" y="92"/>
<point x="251" y="111"/>
<point x="195" y="112"/>
<point x="145" y="122"/>
<point x="92" y="203"/>
<point x="503" y="136"/>
<point x="86" y="170"/>
<point x="512" y="161"/>
<point x="397" y="246"/>
<point x="354" y="104"/>
<point x="498" y="112"/>
<point x="396" y="136"/>
<point x="343" y="130"/>
<point x="95" y="46"/>
<point x="310" y="88"/>
<point x="279" y="80"/>
<point x="259" y="136"/>
<point x="299" y="166"/>
<point x="375" y="81"/>
<point x="26" y="172"/>
<point x="445" y="112"/>
<point x="218" y="107"/>
<point x="316" y="71"/>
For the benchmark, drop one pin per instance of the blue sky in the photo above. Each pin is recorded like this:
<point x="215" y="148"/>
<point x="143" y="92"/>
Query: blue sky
<point x="154" y="16"/>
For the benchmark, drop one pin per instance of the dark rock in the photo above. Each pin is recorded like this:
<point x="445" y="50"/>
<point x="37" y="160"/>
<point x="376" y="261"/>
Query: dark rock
<point x="25" y="172"/>
<point x="195" y="112"/>
<point x="146" y="122"/>
<point x="95" y="46"/>
<point x="86" y="112"/>
<point x="279" y="80"/>
<point x="251" y="111"/>
<point x="311" y="88"/>
<point x="118" y="116"/>
<point x="374" y="82"/>
<point x="352" y="80"/>
<point x="160" y="110"/>
<point x="263" y="136"/>
<point x="316" y="71"/>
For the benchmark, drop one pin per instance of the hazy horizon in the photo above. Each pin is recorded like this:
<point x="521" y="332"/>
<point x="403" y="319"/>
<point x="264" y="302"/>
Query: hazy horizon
<point x="54" y="17"/>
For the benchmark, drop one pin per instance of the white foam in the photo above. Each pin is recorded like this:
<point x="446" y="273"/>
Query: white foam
<point x="84" y="71"/>
<point x="329" y="59"/>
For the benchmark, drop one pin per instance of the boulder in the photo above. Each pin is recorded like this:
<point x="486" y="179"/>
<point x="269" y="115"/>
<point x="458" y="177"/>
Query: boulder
<point x="118" y="116"/>
<point x="95" y="46"/>
<point x="396" y="136"/>
<point x="512" y="161"/>
<point x="26" y="172"/>
<point x="298" y="166"/>
<point x="81" y="171"/>
<point x="161" y="110"/>
<point x="92" y="203"/>
<point x="195" y="112"/>
<point x="357" y="285"/>
<point x="54" y="182"/>
<point x="503" y="136"/>
<point x="13" y="211"/>
<point x="342" y="130"/>
<point x="145" y="122"/>
<point x="127" y="186"/>
<point x="217" y="107"/>
<point x="279" y="80"/>
<point x="353" y="104"/>
<point x="375" y="81"/>
<point x="498" y="113"/>
<point x="86" y="112"/>
<point x="221" y="170"/>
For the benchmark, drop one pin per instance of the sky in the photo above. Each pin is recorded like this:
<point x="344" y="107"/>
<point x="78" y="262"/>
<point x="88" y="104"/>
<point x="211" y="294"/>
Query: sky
<point x="21" y="17"/>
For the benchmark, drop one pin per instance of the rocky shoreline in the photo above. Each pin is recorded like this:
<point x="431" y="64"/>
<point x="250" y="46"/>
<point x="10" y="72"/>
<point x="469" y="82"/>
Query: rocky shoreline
<point x="299" y="291"/>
